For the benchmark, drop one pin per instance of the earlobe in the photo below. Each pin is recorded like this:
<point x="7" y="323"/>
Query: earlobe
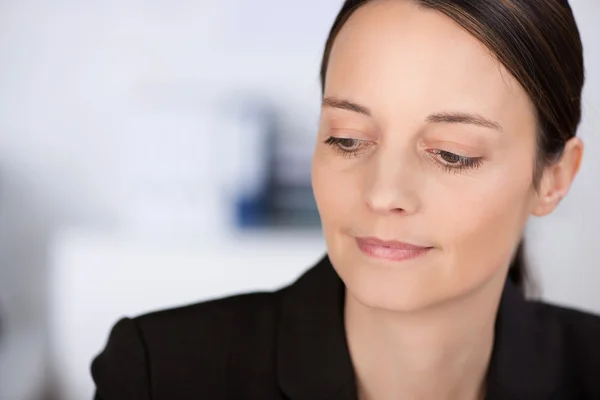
<point x="558" y="178"/>
<point x="547" y="198"/>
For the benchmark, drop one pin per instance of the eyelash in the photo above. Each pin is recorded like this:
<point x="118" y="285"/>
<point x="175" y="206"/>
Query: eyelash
<point x="338" y="143"/>
<point x="462" y="163"/>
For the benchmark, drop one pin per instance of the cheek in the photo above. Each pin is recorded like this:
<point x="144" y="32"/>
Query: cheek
<point x="336" y="191"/>
<point x="483" y="223"/>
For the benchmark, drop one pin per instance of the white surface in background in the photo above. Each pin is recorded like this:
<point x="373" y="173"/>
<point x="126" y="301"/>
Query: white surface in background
<point x="22" y="364"/>
<point x="98" y="278"/>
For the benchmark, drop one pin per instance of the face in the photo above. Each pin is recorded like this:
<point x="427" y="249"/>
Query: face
<point x="423" y="166"/>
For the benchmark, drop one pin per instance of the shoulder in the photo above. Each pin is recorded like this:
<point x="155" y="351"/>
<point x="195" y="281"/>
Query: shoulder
<point x="577" y="327"/>
<point x="210" y="318"/>
<point x="171" y="348"/>
<point x="579" y="341"/>
<point x="209" y="330"/>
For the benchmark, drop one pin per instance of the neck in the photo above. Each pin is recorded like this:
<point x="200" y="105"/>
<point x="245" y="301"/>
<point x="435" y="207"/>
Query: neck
<point x="439" y="353"/>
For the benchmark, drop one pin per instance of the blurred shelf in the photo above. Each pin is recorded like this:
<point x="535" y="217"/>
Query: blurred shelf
<point x="98" y="277"/>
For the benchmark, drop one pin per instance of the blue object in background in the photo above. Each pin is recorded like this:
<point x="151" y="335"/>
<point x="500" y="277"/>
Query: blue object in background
<point x="270" y="182"/>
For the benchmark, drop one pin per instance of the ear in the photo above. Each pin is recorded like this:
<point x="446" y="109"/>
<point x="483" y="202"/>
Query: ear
<point x="558" y="177"/>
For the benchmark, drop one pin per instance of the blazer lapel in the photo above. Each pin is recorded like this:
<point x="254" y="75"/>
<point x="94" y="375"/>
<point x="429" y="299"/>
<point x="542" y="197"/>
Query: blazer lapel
<point x="313" y="361"/>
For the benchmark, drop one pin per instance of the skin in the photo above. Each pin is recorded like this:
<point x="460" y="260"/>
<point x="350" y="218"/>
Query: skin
<point x="423" y="328"/>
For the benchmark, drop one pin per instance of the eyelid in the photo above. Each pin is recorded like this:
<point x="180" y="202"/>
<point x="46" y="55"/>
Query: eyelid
<point x="460" y="141"/>
<point x="348" y="134"/>
<point x="453" y="147"/>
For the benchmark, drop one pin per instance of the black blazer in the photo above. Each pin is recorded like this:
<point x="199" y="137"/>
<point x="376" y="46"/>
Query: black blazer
<point x="290" y="344"/>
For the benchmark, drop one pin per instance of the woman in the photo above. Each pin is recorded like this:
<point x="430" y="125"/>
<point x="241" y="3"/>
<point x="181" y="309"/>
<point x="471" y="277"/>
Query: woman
<point x="445" y="125"/>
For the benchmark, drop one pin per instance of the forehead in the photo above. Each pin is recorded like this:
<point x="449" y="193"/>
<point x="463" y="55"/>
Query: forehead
<point x="395" y="56"/>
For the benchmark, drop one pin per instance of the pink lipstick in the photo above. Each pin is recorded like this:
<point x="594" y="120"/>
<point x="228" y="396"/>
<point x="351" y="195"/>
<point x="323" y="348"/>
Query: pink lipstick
<point x="390" y="250"/>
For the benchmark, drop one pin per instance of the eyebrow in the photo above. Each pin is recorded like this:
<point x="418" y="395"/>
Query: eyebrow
<point x="440" y="117"/>
<point x="333" y="102"/>
<point x="463" y="118"/>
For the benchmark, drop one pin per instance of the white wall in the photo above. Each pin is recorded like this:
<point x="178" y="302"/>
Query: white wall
<point x="73" y="71"/>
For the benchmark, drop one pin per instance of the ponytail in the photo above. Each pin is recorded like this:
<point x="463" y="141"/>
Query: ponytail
<point x="518" y="272"/>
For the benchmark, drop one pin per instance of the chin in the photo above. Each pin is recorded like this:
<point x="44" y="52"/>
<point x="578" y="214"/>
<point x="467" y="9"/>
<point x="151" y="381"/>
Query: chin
<point x="408" y="286"/>
<point x="392" y="295"/>
<point x="390" y="287"/>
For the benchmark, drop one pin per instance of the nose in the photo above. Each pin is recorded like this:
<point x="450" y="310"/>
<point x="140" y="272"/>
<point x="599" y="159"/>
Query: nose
<point x="392" y="187"/>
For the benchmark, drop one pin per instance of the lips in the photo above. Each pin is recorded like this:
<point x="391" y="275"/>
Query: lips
<point x="390" y="250"/>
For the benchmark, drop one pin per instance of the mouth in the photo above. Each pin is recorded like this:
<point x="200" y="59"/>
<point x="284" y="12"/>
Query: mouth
<point x="390" y="250"/>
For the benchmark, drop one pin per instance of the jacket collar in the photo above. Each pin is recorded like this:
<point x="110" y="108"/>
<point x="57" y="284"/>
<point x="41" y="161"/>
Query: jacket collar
<point x="313" y="360"/>
<point x="525" y="360"/>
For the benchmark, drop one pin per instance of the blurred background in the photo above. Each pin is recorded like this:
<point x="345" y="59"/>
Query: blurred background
<point x="155" y="153"/>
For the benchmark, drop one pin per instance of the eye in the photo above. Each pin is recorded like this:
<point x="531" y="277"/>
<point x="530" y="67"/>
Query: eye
<point x="451" y="162"/>
<point x="348" y="147"/>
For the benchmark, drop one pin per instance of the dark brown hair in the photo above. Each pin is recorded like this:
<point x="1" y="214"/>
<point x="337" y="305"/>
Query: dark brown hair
<point x="538" y="42"/>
